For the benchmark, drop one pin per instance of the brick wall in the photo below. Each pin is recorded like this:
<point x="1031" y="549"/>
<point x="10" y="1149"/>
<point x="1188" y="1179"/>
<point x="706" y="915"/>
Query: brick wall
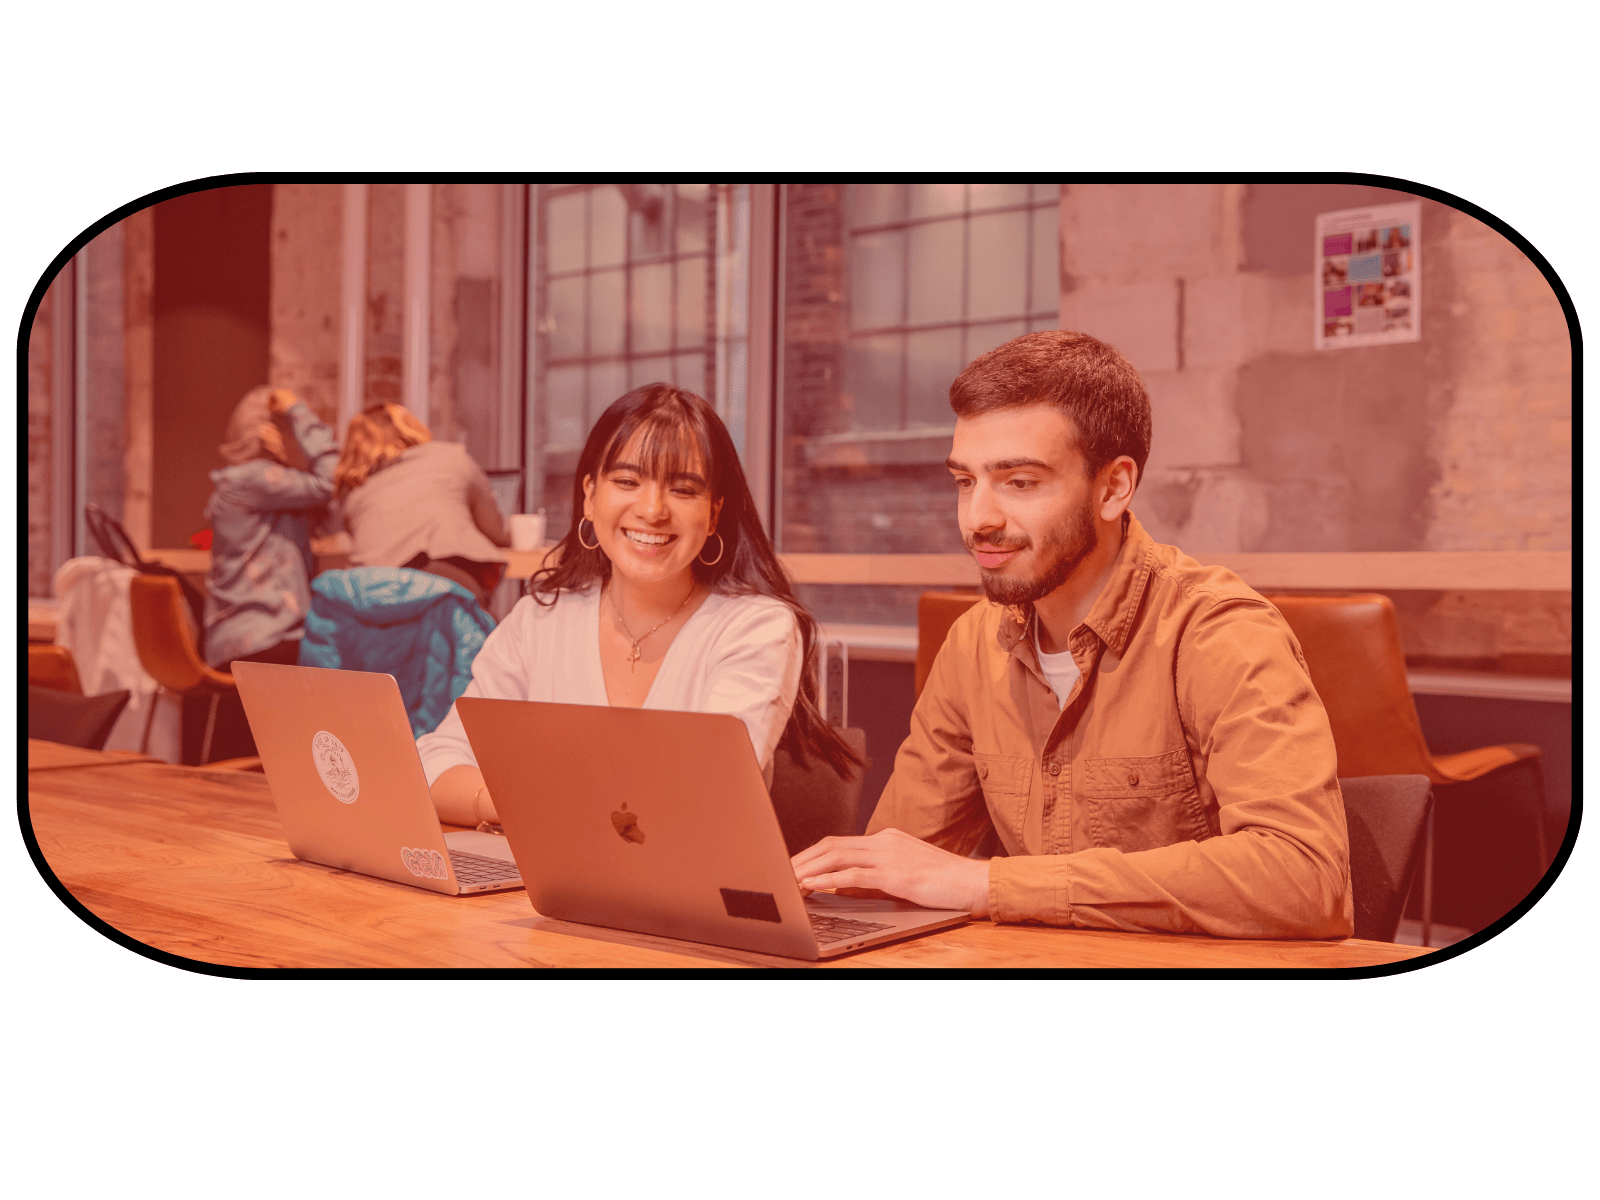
<point x="303" y="343"/>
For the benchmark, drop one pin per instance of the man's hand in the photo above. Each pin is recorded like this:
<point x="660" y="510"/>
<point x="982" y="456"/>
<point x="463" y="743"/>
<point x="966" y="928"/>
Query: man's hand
<point x="281" y="401"/>
<point x="899" y="864"/>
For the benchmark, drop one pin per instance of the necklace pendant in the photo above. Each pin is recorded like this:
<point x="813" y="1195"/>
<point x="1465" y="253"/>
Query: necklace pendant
<point x="633" y="655"/>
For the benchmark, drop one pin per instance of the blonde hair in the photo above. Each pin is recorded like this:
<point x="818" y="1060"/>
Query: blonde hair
<point x="374" y="438"/>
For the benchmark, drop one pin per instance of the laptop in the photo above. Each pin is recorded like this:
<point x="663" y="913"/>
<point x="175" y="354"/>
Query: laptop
<point x="348" y="784"/>
<point x="659" y="822"/>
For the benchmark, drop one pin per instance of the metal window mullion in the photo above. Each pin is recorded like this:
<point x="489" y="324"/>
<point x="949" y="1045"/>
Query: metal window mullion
<point x="1027" y="265"/>
<point x="62" y="434"/>
<point x="534" y="420"/>
<point x="588" y="288"/>
<point x="669" y="236"/>
<point x="80" y="398"/>
<point x="905" y="319"/>
<point x="777" y="341"/>
<point x="966" y="264"/>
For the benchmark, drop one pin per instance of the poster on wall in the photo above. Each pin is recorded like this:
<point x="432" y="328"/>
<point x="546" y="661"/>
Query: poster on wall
<point x="1368" y="276"/>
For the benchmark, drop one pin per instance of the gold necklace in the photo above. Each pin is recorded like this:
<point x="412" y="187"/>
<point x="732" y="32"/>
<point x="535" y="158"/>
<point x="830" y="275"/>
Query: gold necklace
<point x="633" y="651"/>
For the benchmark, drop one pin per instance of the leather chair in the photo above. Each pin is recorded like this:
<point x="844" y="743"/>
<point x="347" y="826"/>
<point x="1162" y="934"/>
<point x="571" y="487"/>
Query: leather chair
<point x="1352" y="647"/>
<point x="1386" y="816"/>
<point x="53" y="667"/>
<point x="167" y="650"/>
<point x="58" y="711"/>
<point x="936" y="613"/>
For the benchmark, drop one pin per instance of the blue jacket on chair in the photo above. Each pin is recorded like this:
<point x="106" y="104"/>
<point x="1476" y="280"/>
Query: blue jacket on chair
<point x="421" y="628"/>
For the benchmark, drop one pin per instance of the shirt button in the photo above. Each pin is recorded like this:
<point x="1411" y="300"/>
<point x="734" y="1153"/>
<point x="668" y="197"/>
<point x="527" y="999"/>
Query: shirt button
<point x="1055" y="768"/>
<point x="1133" y="779"/>
<point x="983" y="770"/>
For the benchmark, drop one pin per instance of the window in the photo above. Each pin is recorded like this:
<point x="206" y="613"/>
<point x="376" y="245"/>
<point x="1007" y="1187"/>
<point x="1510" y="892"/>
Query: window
<point x="625" y="284"/>
<point x="888" y="291"/>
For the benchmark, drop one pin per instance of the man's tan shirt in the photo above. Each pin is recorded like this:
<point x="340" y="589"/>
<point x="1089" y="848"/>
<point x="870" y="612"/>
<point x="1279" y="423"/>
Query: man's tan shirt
<point x="1187" y="785"/>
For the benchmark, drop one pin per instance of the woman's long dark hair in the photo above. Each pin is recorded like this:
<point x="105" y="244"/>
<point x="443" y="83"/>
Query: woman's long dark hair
<point x="677" y="427"/>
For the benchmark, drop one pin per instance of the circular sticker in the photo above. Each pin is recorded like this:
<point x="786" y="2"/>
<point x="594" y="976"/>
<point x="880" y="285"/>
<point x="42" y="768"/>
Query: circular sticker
<point x="336" y="767"/>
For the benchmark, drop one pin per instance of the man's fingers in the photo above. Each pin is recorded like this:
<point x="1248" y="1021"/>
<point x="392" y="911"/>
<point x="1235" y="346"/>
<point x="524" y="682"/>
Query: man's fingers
<point x="810" y="856"/>
<point x="848" y="877"/>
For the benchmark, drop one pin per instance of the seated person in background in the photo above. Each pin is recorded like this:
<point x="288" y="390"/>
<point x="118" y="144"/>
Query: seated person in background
<point x="666" y="594"/>
<point x="1139" y="731"/>
<point x="409" y="501"/>
<point x="279" y="475"/>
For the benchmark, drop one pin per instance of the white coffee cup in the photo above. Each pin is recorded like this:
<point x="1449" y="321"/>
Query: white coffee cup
<point x="527" y="531"/>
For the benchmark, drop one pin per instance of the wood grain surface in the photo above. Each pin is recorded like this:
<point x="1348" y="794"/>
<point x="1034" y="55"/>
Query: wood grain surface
<point x="52" y="756"/>
<point x="193" y="863"/>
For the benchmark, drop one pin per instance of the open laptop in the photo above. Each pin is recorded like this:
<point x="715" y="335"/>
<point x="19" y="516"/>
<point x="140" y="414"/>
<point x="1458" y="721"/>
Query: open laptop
<point x="660" y="822"/>
<point x="348" y="783"/>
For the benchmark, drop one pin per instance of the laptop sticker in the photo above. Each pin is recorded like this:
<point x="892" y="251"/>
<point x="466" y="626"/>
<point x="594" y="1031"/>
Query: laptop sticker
<point x="335" y="766"/>
<point x="427" y="864"/>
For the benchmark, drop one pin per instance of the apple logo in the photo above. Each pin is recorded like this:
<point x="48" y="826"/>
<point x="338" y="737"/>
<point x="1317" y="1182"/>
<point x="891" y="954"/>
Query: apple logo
<point x="627" y="825"/>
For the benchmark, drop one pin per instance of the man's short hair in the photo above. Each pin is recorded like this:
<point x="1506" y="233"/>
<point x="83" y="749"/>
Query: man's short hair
<point x="1082" y="376"/>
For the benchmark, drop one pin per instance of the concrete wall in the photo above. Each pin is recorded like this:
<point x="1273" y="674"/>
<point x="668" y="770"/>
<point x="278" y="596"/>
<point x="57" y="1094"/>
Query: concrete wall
<point x="1460" y="441"/>
<point x="303" y="335"/>
<point x="41" y="387"/>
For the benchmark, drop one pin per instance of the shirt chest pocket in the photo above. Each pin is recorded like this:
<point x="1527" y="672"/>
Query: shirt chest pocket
<point x="1142" y="803"/>
<point x="1006" y="780"/>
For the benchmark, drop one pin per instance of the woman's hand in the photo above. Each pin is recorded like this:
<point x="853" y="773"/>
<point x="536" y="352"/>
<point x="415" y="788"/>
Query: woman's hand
<point x="281" y="401"/>
<point x="460" y="797"/>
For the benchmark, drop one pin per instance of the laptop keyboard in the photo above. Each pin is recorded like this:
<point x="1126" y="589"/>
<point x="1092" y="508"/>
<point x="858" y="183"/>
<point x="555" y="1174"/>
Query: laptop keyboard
<point x="836" y="929"/>
<point x="480" y="868"/>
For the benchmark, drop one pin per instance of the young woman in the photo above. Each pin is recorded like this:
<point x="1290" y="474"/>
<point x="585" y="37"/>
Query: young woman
<point x="666" y="594"/>
<point x="409" y="501"/>
<point x="279" y="474"/>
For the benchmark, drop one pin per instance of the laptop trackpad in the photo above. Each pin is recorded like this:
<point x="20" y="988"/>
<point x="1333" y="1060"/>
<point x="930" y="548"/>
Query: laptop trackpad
<point x="490" y="845"/>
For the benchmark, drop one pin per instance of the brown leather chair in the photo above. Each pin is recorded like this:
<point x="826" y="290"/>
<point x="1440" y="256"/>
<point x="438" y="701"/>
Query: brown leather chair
<point x="167" y="650"/>
<point x="936" y="612"/>
<point x="52" y="667"/>
<point x="1352" y="647"/>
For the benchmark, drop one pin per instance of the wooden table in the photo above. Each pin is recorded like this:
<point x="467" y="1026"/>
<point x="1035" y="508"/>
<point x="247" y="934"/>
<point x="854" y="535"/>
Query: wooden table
<point x="193" y="863"/>
<point x="53" y="756"/>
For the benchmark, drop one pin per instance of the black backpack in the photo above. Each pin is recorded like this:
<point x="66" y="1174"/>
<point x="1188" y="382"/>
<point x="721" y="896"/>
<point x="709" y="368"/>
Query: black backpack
<point x="116" y="545"/>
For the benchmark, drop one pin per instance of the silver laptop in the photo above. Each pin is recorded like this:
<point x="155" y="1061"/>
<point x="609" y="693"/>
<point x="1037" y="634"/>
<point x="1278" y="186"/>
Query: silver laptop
<point x="660" y="822"/>
<point x="348" y="783"/>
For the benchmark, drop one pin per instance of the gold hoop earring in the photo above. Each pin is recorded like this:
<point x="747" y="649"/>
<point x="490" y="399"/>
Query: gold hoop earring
<point x="583" y="543"/>
<point x="721" y="546"/>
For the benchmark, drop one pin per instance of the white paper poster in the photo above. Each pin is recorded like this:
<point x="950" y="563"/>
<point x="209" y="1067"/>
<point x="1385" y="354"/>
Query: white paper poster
<point x="1368" y="276"/>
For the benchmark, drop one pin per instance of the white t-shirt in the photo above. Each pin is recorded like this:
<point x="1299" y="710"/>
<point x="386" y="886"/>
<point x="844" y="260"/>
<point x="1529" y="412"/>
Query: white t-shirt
<point x="735" y="654"/>
<point x="1060" y="671"/>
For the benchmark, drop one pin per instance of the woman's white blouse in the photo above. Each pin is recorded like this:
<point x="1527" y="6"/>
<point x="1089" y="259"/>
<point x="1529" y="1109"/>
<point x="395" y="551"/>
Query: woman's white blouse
<point x="735" y="654"/>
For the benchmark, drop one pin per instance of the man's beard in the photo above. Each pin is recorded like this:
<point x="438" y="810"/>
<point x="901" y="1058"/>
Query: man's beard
<point x="1061" y="551"/>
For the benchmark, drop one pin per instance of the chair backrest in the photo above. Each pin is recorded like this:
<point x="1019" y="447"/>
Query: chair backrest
<point x="52" y="667"/>
<point x="812" y="802"/>
<point x="161" y="635"/>
<point x="1352" y="648"/>
<point x="73" y="719"/>
<point x="936" y="612"/>
<point x="1386" y="816"/>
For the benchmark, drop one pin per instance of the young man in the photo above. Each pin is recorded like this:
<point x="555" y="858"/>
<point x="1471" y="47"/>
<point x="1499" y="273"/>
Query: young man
<point x="1138" y="730"/>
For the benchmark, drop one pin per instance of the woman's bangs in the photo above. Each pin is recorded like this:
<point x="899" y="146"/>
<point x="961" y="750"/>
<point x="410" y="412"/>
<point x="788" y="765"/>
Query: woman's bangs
<point x="662" y="448"/>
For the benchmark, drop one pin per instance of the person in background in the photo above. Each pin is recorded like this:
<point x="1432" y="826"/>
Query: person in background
<point x="409" y="501"/>
<point x="276" y="484"/>
<point x="666" y="594"/>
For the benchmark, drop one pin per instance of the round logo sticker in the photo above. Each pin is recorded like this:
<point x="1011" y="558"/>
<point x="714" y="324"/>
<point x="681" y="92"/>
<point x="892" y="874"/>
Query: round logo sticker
<point x="335" y="766"/>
